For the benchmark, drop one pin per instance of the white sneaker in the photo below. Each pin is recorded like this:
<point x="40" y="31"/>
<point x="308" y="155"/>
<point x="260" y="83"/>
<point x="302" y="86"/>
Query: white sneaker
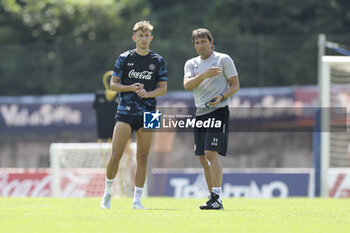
<point x="106" y="201"/>
<point x="137" y="206"/>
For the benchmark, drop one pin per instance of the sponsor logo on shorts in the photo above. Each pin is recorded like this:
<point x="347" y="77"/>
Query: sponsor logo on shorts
<point x="215" y="142"/>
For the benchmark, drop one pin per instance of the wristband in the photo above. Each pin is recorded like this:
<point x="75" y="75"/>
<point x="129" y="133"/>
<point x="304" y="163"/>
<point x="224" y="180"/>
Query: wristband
<point x="223" y="98"/>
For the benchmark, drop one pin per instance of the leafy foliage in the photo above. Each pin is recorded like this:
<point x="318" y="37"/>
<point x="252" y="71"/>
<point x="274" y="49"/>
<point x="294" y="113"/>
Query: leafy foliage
<point x="50" y="46"/>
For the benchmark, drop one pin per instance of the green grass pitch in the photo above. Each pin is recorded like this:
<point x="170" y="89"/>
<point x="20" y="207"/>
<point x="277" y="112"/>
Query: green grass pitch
<point x="174" y="215"/>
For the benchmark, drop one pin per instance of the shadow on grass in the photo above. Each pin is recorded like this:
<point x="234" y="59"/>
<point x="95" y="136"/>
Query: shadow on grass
<point x="161" y="209"/>
<point x="225" y="210"/>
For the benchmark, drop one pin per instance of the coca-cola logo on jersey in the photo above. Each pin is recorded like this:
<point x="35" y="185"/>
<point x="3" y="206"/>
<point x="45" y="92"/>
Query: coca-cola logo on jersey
<point x="140" y="75"/>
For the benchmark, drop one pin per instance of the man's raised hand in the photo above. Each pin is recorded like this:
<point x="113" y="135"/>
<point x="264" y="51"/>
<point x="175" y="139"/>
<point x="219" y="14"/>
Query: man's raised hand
<point x="212" y="72"/>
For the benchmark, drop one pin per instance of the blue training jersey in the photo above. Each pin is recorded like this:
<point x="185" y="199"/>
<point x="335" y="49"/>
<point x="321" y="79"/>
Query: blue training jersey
<point x="131" y="68"/>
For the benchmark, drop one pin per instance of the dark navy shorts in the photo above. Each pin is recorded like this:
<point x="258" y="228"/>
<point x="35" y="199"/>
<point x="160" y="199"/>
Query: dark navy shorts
<point x="135" y="122"/>
<point x="214" y="139"/>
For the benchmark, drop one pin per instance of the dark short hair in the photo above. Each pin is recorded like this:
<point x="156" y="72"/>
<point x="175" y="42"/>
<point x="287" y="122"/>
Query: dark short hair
<point x="201" y="33"/>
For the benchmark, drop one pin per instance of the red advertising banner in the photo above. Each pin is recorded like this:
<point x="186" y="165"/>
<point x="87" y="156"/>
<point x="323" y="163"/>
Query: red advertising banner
<point x="25" y="183"/>
<point x="339" y="182"/>
<point x="36" y="183"/>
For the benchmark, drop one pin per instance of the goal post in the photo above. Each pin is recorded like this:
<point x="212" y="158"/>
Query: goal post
<point x="78" y="169"/>
<point x="334" y="81"/>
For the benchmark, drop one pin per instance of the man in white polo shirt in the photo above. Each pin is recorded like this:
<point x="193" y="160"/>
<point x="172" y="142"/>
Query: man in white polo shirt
<point x="213" y="78"/>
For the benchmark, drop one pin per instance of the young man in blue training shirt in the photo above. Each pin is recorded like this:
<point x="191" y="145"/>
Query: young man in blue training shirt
<point x="139" y="76"/>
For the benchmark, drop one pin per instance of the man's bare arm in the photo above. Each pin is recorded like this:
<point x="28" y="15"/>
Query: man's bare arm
<point x="118" y="87"/>
<point x="193" y="82"/>
<point x="231" y="90"/>
<point x="159" y="91"/>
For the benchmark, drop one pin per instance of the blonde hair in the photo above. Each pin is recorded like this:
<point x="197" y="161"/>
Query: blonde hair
<point x="143" y="26"/>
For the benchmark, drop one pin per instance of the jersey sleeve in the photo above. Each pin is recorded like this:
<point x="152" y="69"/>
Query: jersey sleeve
<point x="188" y="69"/>
<point x="162" y="71"/>
<point x="229" y="67"/>
<point x="118" y="67"/>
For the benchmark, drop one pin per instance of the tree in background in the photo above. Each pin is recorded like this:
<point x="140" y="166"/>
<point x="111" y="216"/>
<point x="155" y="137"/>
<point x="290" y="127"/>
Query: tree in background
<point x="68" y="20"/>
<point x="51" y="46"/>
<point x="65" y="46"/>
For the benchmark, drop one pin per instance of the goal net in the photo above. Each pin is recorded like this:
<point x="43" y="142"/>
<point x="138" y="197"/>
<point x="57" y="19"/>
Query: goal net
<point x="335" y="105"/>
<point x="78" y="169"/>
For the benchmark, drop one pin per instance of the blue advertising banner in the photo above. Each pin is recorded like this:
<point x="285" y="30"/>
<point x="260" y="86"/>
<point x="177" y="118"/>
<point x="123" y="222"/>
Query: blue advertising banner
<point x="250" y="109"/>
<point x="46" y="113"/>
<point x="250" y="183"/>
